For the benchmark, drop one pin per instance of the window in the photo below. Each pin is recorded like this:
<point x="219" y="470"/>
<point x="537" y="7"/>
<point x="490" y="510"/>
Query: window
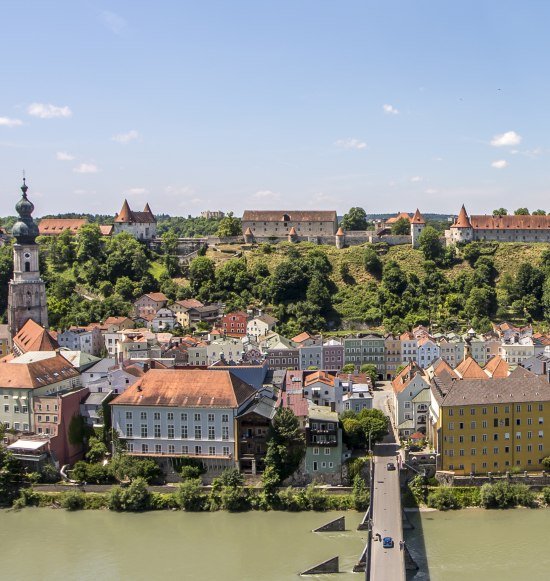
<point x="327" y="451"/>
<point x="171" y="449"/>
<point x="183" y="417"/>
<point x="210" y="417"/>
<point x="484" y="411"/>
<point x="184" y="432"/>
<point x="529" y="421"/>
<point x="541" y="407"/>
<point x="473" y="438"/>
<point x="225" y="433"/>
<point x="157" y="430"/>
<point x="211" y="433"/>
<point x="156" y="416"/>
<point x="451" y="426"/>
<point x="197" y="417"/>
<point x="472" y="425"/>
<point x="212" y="450"/>
<point x="144" y="430"/>
<point x="461" y="425"/>
<point x="144" y="448"/>
<point x="225" y="418"/>
<point x="198" y="433"/>
<point x="198" y="450"/>
<point x="170" y="416"/>
<point x="226" y="450"/>
<point x="484" y="423"/>
<point x="518" y="408"/>
<point x="461" y="412"/>
<point x="129" y="430"/>
<point x="472" y="411"/>
<point x="143" y="415"/>
<point x="158" y="449"/>
<point x="541" y="434"/>
<point x="518" y="435"/>
<point x="171" y="431"/>
<point x="315" y="466"/>
<point x="130" y="446"/>
<point x="529" y="407"/>
<point x="128" y="415"/>
<point x="541" y="421"/>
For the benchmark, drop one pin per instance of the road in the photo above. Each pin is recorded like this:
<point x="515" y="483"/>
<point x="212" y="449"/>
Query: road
<point x="386" y="564"/>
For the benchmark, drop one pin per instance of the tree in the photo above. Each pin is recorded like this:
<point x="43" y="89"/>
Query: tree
<point x="348" y="368"/>
<point x="538" y="213"/>
<point x="521" y="212"/>
<point x="229" y="226"/>
<point x="96" y="450"/>
<point x="430" y="244"/>
<point x="401" y="227"/>
<point x="355" y="219"/>
<point x="500" y="212"/>
<point x="89" y="243"/>
<point x="370" y="371"/>
<point x="201" y="271"/>
<point x="372" y="261"/>
<point x="374" y="424"/>
<point x="286" y="444"/>
<point x="170" y="251"/>
<point x="127" y="467"/>
<point x="393" y="278"/>
<point x="126" y="257"/>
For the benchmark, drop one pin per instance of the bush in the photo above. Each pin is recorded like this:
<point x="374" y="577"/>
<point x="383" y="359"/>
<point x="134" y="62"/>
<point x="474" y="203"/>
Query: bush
<point x="73" y="500"/>
<point x="127" y="467"/>
<point x="190" y="472"/>
<point x="229" y="477"/>
<point x="361" y="494"/>
<point x="189" y="495"/>
<point x="27" y="497"/>
<point x="546" y="495"/>
<point x="232" y="498"/>
<point x="505" y="495"/>
<point x="443" y="499"/>
<point x="317" y="499"/>
<point x="135" y="497"/>
<point x="93" y="473"/>
<point x="49" y="474"/>
<point x="293" y="501"/>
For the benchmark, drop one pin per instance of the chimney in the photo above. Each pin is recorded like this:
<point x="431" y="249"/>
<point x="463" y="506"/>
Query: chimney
<point x="146" y="367"/>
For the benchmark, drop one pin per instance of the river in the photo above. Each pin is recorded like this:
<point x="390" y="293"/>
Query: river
<point x="48" y="544"/>
<point x="473" y="544"/>
<point x="481" y="545"/>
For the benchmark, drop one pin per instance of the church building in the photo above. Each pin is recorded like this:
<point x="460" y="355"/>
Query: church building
<point x="141" y="225"/>
<point x="26" y="291"/>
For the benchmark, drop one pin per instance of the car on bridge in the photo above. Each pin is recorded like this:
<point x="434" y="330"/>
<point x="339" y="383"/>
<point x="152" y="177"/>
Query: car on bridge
<point x="387" y="543"/>
<point x="390" y="466"/>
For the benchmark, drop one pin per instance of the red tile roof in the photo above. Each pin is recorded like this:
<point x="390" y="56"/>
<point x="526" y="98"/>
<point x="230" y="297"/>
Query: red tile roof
<point x="417" y="218"/>
<point x="462" y="221"/>
<point x="469" y="369"/>
<point x="57" y="225"/>
<point x="192" y="388"/>
<point x="128" y="216"/>
<point x="36" y="373"/>
<point x="33" y="337"/>
<point x="486" y="222"/>
<point x="319" y="376"/>
<point x="291" y="215"/>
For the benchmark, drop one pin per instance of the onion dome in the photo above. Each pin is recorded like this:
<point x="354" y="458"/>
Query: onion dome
<point x="25" y="230"/>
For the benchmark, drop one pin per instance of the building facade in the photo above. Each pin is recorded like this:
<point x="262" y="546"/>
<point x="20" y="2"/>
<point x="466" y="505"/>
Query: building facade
<point x="141" y="225"/>
<point x="279" y="223"/>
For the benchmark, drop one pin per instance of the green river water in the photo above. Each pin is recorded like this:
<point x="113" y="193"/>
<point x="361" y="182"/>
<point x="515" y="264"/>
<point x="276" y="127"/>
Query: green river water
<point x="467" y="545"/>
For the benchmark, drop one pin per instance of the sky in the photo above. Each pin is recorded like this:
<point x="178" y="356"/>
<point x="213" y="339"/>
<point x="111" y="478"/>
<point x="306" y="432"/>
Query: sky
<point x="286" y="104"/>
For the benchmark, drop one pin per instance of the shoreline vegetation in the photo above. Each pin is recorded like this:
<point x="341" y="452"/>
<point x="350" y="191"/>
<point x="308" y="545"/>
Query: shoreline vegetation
<point x="190" y="495"/>
<point x="422" y="493"/>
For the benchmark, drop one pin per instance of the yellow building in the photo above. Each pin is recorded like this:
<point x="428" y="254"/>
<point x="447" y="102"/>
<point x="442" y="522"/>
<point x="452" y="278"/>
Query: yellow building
<point x="494" y="425"/>
<point x="4" y="340"/>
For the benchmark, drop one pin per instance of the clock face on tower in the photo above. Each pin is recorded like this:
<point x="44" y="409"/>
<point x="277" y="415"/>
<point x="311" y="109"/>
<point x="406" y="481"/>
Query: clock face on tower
<point x="27" y="255"/>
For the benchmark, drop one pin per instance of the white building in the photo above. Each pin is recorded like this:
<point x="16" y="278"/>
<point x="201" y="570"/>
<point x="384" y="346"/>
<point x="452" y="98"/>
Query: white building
<point x="141" y="225"/>
<point x="406" y="387"/>
<point x="427" y="351"/>
<point x="85" y="339"/>
<point x="260" y="326"/>
<point x="189" y="412"/>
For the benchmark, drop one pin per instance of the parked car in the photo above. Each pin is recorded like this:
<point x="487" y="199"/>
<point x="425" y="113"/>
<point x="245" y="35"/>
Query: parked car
<point x="391" y="466"/>
<point x="387" y="543"/>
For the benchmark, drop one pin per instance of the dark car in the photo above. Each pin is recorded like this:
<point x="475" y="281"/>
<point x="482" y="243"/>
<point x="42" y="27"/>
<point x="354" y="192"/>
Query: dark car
<point x="391" y="466"/>
<point x="387" y="543"/>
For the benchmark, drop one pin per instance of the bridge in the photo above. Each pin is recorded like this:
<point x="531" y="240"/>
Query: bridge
<point x="386" y="520"/>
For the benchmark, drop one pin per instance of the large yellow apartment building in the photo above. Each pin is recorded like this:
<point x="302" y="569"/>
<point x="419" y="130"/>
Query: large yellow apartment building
<point x="492" y="425"/>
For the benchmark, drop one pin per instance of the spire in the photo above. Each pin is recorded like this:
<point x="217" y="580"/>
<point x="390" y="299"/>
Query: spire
<point x="463" y="221"/>
<point x="340" y="232"/>
<point x="25" y="230"/>
<point x="417" y="218"/>
<point x="147" y="208"/>
<point x="125" y="214"/>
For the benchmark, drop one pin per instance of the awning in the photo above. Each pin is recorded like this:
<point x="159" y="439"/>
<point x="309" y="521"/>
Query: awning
<point x="27" y="445"/>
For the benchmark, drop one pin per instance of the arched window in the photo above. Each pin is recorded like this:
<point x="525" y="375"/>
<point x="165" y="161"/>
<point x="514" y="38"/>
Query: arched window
<point x="27" y="266"/>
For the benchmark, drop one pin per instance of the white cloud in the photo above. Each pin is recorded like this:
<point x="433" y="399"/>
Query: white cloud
<point x="266" y="195"/>
<point x="350" y="143"/>
<point x="48" y="111"/>
<point x="430" y="191"/>
<point x="499" y="164"/>
<point x="125" y="138"/>
<point x="506" y="139"/>
<point x="136" y="192"/>
<point x="64" y="156"/>
<point x="86" y="168"/>
<point x="390" y="109"/>
<point x="8" y="122"/>
<point x="416" y="179"/>
<point x="115" y="23"/>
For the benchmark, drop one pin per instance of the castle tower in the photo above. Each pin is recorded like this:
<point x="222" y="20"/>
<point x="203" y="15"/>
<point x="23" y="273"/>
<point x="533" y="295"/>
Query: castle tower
<point x="26" y="291"/>
<point x="340" y="238"/>
<point x="417" y="225"/>
<point x="461" y="230"/>
<point x="292" y="235"/>
<point x="248" y="236"/>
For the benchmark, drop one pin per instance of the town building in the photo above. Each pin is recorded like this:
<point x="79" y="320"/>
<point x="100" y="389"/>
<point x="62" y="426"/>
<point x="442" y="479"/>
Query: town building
<point x="149" y="304"/>
<point x="164" y="319"/>
<point x="333" y="355"/>
<point x="5" y="340"/>
<point x="369" y="349"/>
<point x="55" y="226"/>
<point x="260" y="326"/>
<point x="392" y="354"/>
<point x="141" y="225"/>
<point x="496" y="426"/>
<point x="190" y="412"/>
<point x="86" y="339"/>
<point x="279" y="223"/>
<point x="234" y="324"/>
<point x="212" y="214"/>
<point x="33" y="337"/>
<point x="410" y="409"/>
<point x="93" y="408"/>
<point x="26" y="290"/>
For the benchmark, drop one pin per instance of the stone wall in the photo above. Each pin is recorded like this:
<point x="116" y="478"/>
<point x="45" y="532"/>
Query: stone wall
<point x="535" y="481"/>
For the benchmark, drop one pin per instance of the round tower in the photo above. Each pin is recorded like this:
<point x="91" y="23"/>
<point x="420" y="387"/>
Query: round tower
<point x="461" y="230"/>
<point x="248" y="236"/>
<point x="340" y="239"/>
<point x="417" y="225"/>
<point x="292" y="236"/>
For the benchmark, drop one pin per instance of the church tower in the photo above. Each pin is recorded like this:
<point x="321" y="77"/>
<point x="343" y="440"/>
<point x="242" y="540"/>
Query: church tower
<point x="27" y="291"/>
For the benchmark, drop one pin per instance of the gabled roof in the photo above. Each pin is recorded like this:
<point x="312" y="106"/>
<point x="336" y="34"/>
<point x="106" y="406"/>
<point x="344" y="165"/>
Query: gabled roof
<point x="57" y="225"/>
<point x="106" y="229"/>
<point x="496" y="367"/>
<point x="32" y="372"/>
<point x="33" y="337"/>
<point x="462" y="221"/>
<point x="407" y="375"/>
<point x="399" y="216"/>
<point x="190" y="388"/>
<point x="301" y="337"/>
<point x="157" y="297"/>
<point x="520" y="222"/>
<point x="439" y="366"/>
<point x="189" y="303"/>
<point x="469" y="368"/>
<point x="319" y="377"/>
<point x="289" y="216"/>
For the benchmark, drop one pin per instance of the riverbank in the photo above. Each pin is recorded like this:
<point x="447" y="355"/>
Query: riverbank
<point x="191" y="496"/>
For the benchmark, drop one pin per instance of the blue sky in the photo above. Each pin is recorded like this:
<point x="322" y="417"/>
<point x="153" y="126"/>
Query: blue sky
<point x="290" y="104"/>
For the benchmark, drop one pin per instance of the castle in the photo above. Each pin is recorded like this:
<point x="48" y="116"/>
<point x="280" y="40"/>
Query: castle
<point x="141" y="225"/>
<point x="498" y="228"/>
